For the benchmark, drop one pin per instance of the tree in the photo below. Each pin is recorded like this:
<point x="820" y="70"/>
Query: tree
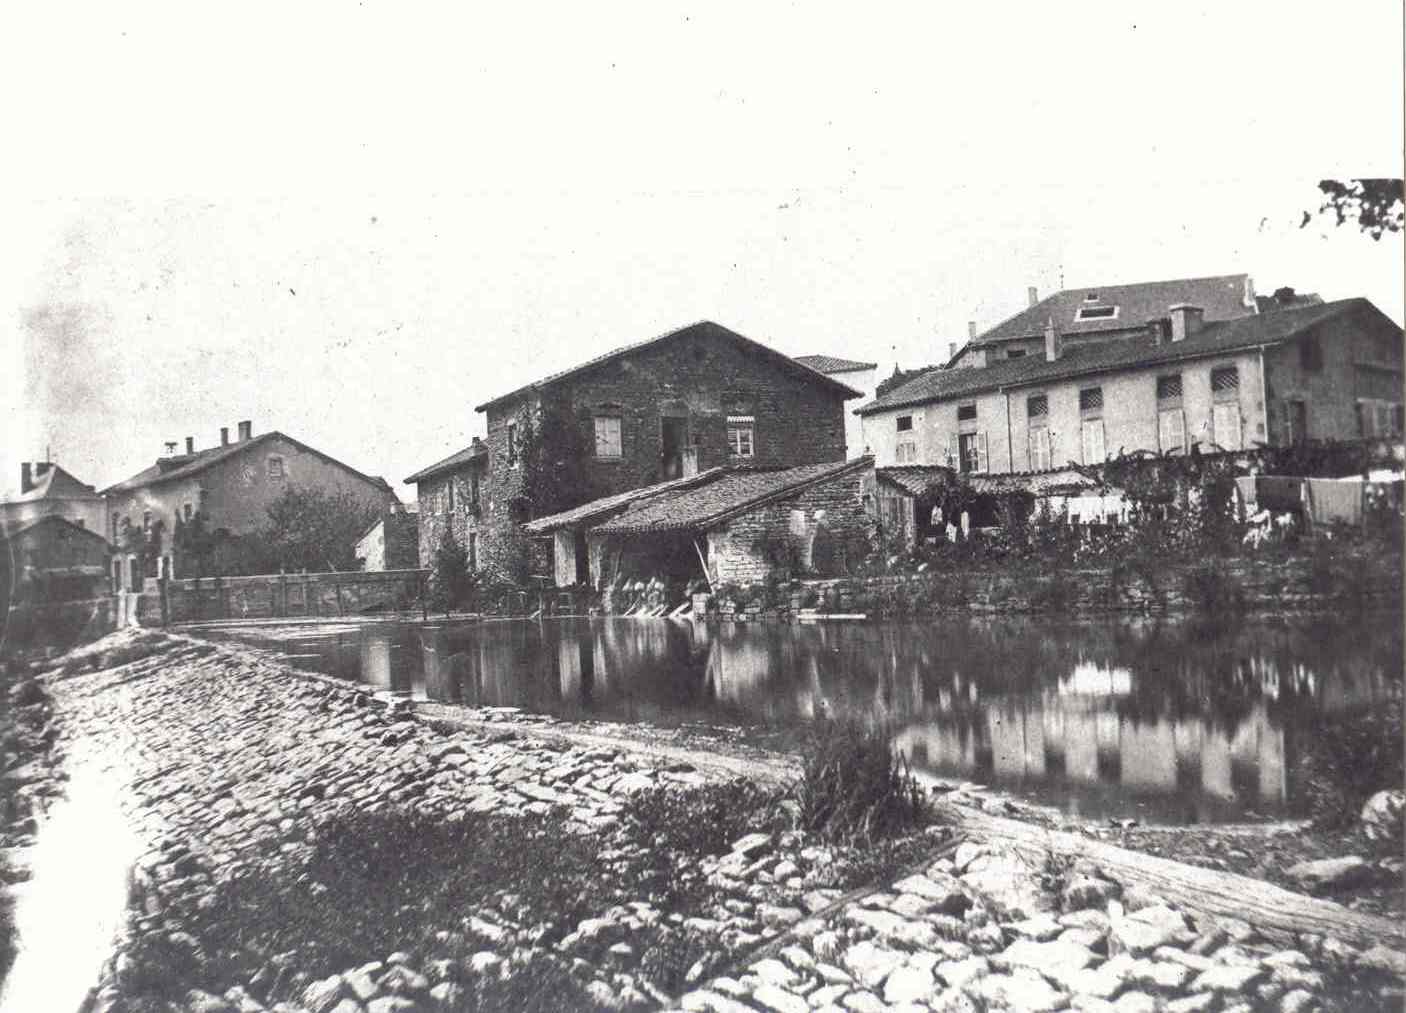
<point x="309" y="529"/>
<point x="451" y="581"/>
<point x="1376" y="205"/>
<point x="194" y="543"/>
<point x="555" y="475"/>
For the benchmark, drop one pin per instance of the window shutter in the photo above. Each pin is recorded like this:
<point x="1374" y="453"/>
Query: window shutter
<point x="1179" y="424"/>
<point x="982" y="461"/>
<point x="947" y="454"/>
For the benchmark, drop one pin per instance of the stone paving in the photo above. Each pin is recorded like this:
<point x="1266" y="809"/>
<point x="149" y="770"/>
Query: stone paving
<point x="224" y="753"/>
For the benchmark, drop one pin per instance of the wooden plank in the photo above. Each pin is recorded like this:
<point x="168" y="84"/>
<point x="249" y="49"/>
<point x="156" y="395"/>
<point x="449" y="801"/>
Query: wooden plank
<point x="1274" y="911"/>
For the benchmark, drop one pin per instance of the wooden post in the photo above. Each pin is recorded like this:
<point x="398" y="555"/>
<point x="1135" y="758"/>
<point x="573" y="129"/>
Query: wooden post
<point x="704" y="562"/>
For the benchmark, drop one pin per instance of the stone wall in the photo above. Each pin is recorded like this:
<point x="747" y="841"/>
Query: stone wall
<point x="823" y="529"/>
<point x="292" y="594"/>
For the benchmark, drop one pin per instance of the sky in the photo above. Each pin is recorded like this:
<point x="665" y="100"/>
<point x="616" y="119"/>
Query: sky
<point x="355" y="223"/>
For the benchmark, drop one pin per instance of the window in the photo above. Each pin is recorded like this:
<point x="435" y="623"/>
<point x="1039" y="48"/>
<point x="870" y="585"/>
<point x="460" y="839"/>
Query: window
<point x="473" y="488"/>
<point x="1171" y="430"/>
<point x="906" y="452"/>
<point x="1378" y="418"/>
<point x="1310" y="354"/>
<point x="1037" y="406"/>
<point x="1040" y="449"/>
<point x="116" y="522"/>
<point x="971" y="451"/>
<point x="449" y="495"/>
<point x="512" y="443"/>
<point x="275" y="469"/>
<point x="1091" y="436"/>
<point x="473" y="550"/>
<point x="739" y="435"/>
<point x="1225" y="426"/>
<point x="1225" y="380"/>
<point x="607" y="436"/>
<point x="1015" y="353"/>
<point x="966" y="412"/>
<point x="1091" y="297"/>
<point x="146" y="520"/>
<point x="1295" y="421"/>
<point x="1169" y="387"/>
<point x="904" y="424"/>
<point x="1091" y="399"/>
<point x="186" y="512"/>
<point x="1096" y="313"/>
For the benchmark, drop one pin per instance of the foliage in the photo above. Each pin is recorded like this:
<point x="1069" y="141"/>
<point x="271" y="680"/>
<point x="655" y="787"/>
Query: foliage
<point x="555" y="459"/>
<point x="1345" y="758"/>
<point x="451" y="580"/>
<point x="854" y="788"/>
<point x="1213" y="590"/>
<point x="194" y="543"/>
<point x="314" y="530"/>
<point x="1375" y="204"/>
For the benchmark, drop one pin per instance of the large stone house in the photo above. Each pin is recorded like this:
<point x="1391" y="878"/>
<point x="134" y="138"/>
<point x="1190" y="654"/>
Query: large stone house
<point x="1330" y="371"/>
<point x="863" y="377"/>
<point x="231" y="485"/>
<point x="693" y="399"/>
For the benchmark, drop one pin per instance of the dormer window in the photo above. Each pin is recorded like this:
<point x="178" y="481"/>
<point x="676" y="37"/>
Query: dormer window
<point x="275" y="467"/>
<point x="1091" y="297"/>
<point x="1096" y="313"/>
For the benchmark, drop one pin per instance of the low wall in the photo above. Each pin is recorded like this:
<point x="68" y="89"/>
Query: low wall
<point x="291" y="594"/>
<point x="1259" y="586"/>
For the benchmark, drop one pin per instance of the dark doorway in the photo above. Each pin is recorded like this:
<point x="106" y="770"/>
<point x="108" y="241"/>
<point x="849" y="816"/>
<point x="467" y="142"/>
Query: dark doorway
<point x="583" y="559"/>
<point x="673" y="432"/>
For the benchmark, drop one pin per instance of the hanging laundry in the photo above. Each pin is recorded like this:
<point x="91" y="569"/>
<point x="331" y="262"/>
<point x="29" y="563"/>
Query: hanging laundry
<point x="1335" y="500"/>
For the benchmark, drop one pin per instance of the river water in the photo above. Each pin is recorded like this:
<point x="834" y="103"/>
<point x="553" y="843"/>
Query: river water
<point x="1165" y="721"/>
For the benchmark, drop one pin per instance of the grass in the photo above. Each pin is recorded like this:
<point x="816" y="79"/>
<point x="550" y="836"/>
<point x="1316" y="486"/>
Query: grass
<point x="1345" y="758"/>
<point x="854" y="789"/>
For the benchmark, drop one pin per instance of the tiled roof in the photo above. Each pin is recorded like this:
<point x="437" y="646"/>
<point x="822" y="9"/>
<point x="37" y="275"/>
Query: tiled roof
<point x="1128" y="353"/>
<point x="917" y="479"/>
<point x="56" y="483"/>
<point x="20" y="529"/>
<point x="1222" y="297"/>
<point x="1038" y="482"/>
<point x="731" y="493"/>
<point x="168" y="469"/>
<point x="605" y="505"/>
<point x="833" y="364"/>
<point x="453" y="462"/>
<point x="706" y="327"/>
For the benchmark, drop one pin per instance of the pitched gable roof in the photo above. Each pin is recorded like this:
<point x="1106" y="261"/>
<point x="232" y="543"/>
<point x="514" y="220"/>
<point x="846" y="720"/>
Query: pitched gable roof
<point x="168" y="469"/>
<point x="70" y="527"/>
<point x="1130" y="353"/>
<point x="702" y="327"/>
<point x="453" y="462"/>
<point x="1223" y="297"/>
<point x="732" y="493"/>
<point x="56" y="483"/>
<point x="833" y="364"/>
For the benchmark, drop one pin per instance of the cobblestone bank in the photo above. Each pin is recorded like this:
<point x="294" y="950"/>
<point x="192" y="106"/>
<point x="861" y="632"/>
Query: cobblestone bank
<point x="223" y="755"/>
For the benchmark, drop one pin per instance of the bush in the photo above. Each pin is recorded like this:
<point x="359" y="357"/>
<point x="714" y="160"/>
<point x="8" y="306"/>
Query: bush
<point x="1346" y="758"/>
<point x="854" y="789"/>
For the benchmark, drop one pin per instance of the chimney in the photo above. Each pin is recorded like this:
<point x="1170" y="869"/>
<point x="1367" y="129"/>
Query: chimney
<point x="224" y="436"/>
<point x="1186" y="320"/>
<point x="170" y="448"/>
<point x="190" y="445"/>
<point x="951" y="350"/>
<point x="1033" y="294"/>
<point x="26" y="478"/>
<point x="245" y="430"/>
<point x="1054" y="344"/>
<point x="971" y="330"/>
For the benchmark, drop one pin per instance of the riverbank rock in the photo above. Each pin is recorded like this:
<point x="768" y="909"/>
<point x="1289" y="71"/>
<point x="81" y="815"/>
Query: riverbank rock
<point x="1329" y="874"/>
<point x="1384" y="816"/>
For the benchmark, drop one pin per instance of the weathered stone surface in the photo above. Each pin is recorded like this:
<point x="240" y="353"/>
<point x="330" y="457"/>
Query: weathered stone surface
<point x="1384" y="815"/>
<point x="1328" y="874"/>
<point x="1040" y="927"/>
<point x="870" y="964"/>
<point x="958" y="973"/>
<point x="1199" y="1002"/>
<point x="1084" y="892"/>
<point x="1143" y="931"/>
<point x="1044" y="957"/>
<point x="774" y="998"/>
<point x="1026" y="991"/>
<point x="908" y="984"/>
<point x="1229" y="978"/>
<point x="752" y="846"/>
<point x="321" y="996"/>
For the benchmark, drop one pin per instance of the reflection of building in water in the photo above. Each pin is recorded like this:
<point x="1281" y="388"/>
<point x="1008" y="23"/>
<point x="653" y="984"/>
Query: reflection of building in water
<point x="376" y="659"/>
<point x="1084" y="740"/>
<point x="1089" y="678"/>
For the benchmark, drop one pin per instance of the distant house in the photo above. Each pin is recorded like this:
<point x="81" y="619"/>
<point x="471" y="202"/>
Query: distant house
<point x="670" y="407"/>
<point x="392" y="542"/>
<point x="1101" y="314"/>
<point x="51" y="558"/>
<point x="861" y="376"/>
<point x="1320" y="371"/>
<point x="231" y="485"/>
<point x="47" y="490"/>
<point x="742" y="525"/>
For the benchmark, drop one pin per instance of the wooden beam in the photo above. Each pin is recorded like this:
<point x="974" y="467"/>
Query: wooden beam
<point x="1274" y="911"/>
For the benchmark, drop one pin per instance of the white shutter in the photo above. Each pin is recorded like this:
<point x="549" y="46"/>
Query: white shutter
<point x="1040" y="449"/>
<point x="1180" y="426"/>
<point x="983" y="462"/>
<point x="1093" y="442"/>
<point x="947" y="455"/>
<point x="1226" y="422"/>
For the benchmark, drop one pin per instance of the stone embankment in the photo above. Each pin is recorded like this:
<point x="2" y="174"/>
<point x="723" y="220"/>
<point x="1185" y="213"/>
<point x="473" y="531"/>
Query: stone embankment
<point x="222" y="755"/>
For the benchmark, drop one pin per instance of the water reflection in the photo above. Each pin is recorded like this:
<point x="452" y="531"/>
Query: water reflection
<point x="1155" y="719"/>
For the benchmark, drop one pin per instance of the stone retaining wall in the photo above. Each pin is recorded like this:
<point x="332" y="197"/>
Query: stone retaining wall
<point x="292" y="594"/>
